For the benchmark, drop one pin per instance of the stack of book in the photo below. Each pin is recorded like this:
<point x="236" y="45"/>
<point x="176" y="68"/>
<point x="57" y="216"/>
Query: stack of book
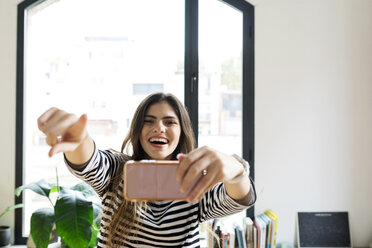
<point x="264" y="230"/>
<point x="257" y="233"/>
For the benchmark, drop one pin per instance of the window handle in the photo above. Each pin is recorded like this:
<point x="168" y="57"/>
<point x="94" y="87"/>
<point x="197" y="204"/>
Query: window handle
<point x="193" y="82"/>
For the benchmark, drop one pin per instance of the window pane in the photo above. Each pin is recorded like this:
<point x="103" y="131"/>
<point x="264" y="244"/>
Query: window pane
<point x="100" y="58"/>
<point x="220" y="80"/>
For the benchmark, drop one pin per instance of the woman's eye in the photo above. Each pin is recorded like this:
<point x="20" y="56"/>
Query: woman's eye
<point x="171" y="122"/>
<point x="148" y="121"/>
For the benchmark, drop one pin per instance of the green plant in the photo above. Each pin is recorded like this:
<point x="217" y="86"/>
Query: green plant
<point x="76" y="218"/>
<point x="20" y="205"/>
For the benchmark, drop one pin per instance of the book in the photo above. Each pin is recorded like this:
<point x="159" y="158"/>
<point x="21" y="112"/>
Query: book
<point x="272" y="231"/>
<point x="258" y="233"/>
<point x="239" y="235"/>
<point x="248" y="226"/>
<point x="244" y="240"/>
<point x="254" y="236"/>
<point x="225" y="240"/>
<point x="233" y="242"/>
<point x="268" y="229"/>
<point x="262" y="226"/>
<point x="245" y="231"/>
<point x="274" y="216"/>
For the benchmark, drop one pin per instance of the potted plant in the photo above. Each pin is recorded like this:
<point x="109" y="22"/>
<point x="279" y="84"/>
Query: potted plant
<point x="75" y="217"/>
<point x="5" y="230"/>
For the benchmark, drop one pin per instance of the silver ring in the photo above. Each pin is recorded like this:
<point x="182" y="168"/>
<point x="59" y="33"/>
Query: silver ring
<point x="59" y="139"/>
<point x="204" y="172"/>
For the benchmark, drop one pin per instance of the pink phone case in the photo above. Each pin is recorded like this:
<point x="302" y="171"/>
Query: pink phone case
<point x="153" y="180"/>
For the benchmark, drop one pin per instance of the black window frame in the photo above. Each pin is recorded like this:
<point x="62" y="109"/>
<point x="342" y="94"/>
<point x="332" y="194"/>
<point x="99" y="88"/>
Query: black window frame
<point x="191" y="87"/>
<point x="192" y="72"/>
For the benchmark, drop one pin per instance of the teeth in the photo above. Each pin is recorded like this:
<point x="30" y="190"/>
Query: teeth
<point x="158" y="140"/>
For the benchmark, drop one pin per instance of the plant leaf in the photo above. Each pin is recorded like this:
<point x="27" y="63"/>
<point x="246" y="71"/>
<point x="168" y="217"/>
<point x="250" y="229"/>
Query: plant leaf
<point x="40" y="187"/>
<point x="74" y="217"/>
<point x="56" y="188"/>
<point x="85" y="189"/>
<point x="42" y="221"/>
<point x="19" y="205"/>
<point x="63" y="245"/>
<point x="97" y="213"/>
<point x="93" y="240"/>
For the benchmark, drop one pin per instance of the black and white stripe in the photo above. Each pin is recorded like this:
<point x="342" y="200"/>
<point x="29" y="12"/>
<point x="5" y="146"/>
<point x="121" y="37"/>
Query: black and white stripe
<point x="165" y="223"/>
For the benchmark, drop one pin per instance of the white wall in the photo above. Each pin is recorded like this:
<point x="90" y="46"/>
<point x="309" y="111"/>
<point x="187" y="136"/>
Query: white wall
<point x="313" y="116"/>
<point x="8" y="28"/>
<point x="314" y="111"/>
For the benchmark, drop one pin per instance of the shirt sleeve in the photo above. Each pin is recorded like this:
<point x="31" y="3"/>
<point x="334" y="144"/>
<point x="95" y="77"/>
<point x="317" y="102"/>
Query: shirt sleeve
<point x="99" y="170"/>
<point x="216" y="203"/>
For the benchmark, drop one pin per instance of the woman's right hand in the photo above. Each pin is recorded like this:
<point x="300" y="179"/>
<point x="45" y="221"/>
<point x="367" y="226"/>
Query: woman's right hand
<point x="64" y="131"/>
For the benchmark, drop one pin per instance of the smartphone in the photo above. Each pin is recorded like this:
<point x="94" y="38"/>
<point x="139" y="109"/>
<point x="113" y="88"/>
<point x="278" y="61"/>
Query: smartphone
<point x="153" y="180"/>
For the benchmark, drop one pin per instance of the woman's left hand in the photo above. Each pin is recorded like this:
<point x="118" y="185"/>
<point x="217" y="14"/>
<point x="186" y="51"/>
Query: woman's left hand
<point x="218" y="167"/>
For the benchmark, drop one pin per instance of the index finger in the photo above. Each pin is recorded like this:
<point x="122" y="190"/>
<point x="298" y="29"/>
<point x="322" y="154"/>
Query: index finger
<point x="186" y="160"/>
<point x="45" y="117"/>
<point x="180" y="171"/>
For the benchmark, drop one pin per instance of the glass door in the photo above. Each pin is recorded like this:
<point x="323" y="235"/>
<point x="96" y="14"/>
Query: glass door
<point x="220" y="81"/>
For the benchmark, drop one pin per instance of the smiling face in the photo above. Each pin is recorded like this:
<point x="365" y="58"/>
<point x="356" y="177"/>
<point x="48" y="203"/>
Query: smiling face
<point x="161" y="131"/>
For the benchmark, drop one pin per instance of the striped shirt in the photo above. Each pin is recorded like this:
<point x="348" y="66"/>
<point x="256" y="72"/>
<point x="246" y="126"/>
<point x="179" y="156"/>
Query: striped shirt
<point x="164" y="223"/>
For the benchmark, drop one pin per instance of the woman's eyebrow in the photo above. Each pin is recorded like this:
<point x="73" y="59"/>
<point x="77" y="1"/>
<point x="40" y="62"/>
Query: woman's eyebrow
<point x="165" y="117"/>
<point x="169" y="117"/>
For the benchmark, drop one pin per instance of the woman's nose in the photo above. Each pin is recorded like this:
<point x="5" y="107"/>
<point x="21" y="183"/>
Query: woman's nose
<point x="159" y="127"/>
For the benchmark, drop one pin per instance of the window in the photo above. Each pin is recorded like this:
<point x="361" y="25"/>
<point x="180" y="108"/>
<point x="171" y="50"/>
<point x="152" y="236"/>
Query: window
<point x="221" y="81"/>
<point x="105" y="63"/>
<point x="145" y="89"/>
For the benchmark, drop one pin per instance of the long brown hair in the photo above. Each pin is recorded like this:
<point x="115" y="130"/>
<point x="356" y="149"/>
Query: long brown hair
<point x="125" y="218"/>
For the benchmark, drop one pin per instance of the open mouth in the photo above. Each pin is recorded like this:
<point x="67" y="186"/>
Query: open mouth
<point x="159" y="141"/>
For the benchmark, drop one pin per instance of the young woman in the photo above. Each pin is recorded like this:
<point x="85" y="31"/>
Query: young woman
<point x="160" y="129"/>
